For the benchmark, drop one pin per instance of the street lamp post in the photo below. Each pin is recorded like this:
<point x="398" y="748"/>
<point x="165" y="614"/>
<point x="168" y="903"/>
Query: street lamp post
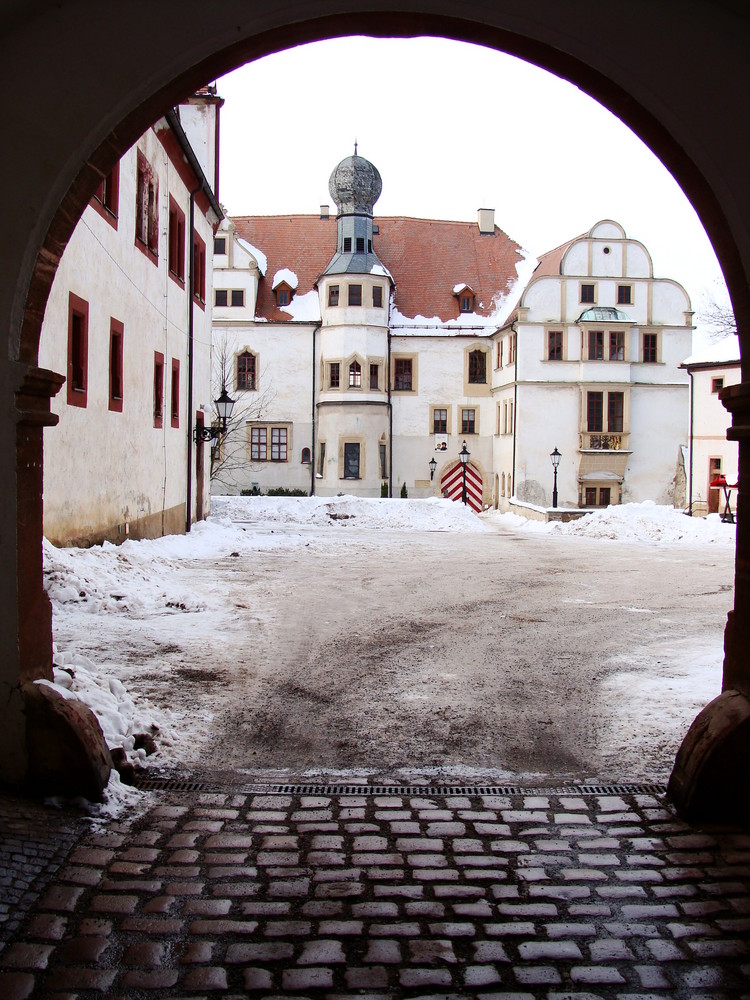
<point x="555" y="458"/>
<point x="464" y="456"/>
<point x="433" y="465"/>
<point x="224" y="406"/>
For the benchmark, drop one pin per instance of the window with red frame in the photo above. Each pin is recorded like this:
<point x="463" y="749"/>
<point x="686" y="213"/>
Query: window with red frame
<point x="107" y="195"/>
<point x="147" y="208"/>
<point x="158" y="389"/>
<point x="176" y="242"/>
<point x="78" y="350"/>
<point x="199" y="270"/>
<point x="116" y="337"/>
<point x="174" y="395"/>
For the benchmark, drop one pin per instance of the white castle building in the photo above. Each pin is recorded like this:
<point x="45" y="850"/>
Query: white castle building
<point x="366" y="353"/>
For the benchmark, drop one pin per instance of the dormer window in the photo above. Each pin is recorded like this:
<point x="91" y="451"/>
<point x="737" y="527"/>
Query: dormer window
<point x="284" y="286"/>
<point x="465" y="296"/>
<point x="347" y="244"/>
<point x="360" y="244"/>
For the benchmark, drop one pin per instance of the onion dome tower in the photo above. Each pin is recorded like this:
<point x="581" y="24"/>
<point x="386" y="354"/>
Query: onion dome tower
<point x="355" y="186"/>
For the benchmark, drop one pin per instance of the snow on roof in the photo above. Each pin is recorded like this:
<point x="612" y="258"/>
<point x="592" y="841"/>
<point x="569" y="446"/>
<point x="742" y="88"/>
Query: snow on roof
<point x="259" y="256"/>
<point x="724" y="351"/>
<point x="457" y="289"/>
<point x="285" y="276"/>
<point x="304" y="307"/>
<point x="425" y="258"/>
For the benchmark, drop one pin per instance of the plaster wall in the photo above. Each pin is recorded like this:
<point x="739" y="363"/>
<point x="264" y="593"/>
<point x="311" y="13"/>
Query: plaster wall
<point x="710" y="423"/>
<point x="547" y="417"/>
<point x="112" y="474"/>
<point x="658" y="427"/>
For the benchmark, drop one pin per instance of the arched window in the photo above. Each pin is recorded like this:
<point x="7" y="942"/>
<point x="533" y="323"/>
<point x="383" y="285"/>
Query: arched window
<point x="477" y="368"/>
<point x="305" y="456"/>
<point x="355" y="375"/>
<point x="246" y="370"/>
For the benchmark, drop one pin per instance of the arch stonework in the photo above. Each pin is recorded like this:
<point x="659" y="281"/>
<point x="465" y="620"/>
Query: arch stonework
<point x="78" y="90"/>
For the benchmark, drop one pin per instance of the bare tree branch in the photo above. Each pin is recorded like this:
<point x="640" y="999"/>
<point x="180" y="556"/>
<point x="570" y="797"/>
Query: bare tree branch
<point x="716" y="316"/>
<point x="230" y="458"/>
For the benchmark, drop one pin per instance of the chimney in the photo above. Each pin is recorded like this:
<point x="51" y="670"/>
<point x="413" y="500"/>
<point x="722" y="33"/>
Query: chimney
<point x="486" y="221"/>
<point x="324" y="210"/>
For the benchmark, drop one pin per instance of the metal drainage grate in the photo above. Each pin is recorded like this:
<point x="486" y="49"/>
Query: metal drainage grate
<point x="190" y="785"/>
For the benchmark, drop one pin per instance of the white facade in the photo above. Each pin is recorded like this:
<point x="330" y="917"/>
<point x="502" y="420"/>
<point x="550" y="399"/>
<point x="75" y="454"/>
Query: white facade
<point x="591" y="365"/>
<point x="119" y="324"/>
<point x="710" y="454"/>
<point x="375" y="393"/>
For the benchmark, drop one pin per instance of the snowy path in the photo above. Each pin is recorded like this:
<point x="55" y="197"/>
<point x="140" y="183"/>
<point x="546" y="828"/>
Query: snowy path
<point x="417" y="639"/>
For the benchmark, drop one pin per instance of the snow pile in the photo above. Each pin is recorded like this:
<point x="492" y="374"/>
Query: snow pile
<point x="655" y="524"/>
<point x="286" y="276"/>
<point x="432" y="514"/>
<point x="304" y="308"/>
<point x="114" y="578"/>
<point x="76" y="676"/>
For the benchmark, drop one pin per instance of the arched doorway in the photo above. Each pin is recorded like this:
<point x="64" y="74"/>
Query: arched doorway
<point x="60" y="150"/>
<point x="453" y="484"/>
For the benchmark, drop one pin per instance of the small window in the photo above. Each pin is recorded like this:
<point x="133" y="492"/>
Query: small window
<point x="220" y="245"/>
<point x="221" y="297"/>
<point x="258" y="444"/>
<point x="360" y="244"/>
<point x="383" y="455"/>
<point x="158" y="389"/>
<point x="500" y="354"/>
<point x="512" y="342"/>
<point x="369" y="246"/>
<point x="468" y="421"/>
<point x="174" y="396"/>
<point x="617" y="345"/>
<point x="347" y="244"/>
<point x="278" y="444"/>
<point x="624" y="295"/>
<point x="78" y="350"/>
<point x="587" y="293"/>
<point x="615" y="405"/>
<point x="355" y="375"/>
<point x="107" y="195"/>
<point x="282" y="297"/>
<point x="355" y="295"/>
<point x="116" y="336"/>
<point x="333" y="295"/>
<point x="246" y="370"/>
<point x="477" y="368"/>
<point x="147" y="208"/>
<point x="466" y="303"/>
<point x="176" y="242"/>
<point x="334" y="375"/>
<point x="717" y="384"/>
<point x="322" y="458"/>
<point x="402" y="374"/>
<point x="596" y="345"/>
<point x="554" y="345"/>
<point x="305" y="456"/>
<point x="238" y="297"/>
<point x="351" y="461"/>
<point x="199" y="270"/>
<point x="377" y="296"/>
<point x="374" y="376"/>
<point x="594" y="411"/>
<point x="440" y="421"/>
<point x="649" y="348"/>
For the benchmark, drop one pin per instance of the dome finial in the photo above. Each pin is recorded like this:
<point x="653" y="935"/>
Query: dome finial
<point x="355" y="147"/>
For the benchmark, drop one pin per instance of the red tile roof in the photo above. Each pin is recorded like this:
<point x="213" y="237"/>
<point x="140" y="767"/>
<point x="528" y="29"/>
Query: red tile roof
<point x="426" y="257"/>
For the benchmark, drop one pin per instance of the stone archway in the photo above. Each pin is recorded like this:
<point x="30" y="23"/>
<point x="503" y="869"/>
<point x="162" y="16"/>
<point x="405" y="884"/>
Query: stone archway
<point x="118" y="74"/>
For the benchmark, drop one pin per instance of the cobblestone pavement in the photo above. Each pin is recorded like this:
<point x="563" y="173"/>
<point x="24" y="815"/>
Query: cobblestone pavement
<point x="525" y="895"/>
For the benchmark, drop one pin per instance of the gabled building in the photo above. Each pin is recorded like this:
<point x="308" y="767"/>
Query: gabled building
<point x="128" y="325"/>
<point x="369" y="352"/>
<point x="589" y="363"/>
<point x="710" y="454"/>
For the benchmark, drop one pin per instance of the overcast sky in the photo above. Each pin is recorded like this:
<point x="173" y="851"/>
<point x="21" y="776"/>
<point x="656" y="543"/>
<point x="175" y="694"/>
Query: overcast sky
<point x="452" y="128"/>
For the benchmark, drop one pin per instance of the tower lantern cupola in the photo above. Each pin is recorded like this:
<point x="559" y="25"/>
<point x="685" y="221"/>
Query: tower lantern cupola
<point x="355" y="186"/>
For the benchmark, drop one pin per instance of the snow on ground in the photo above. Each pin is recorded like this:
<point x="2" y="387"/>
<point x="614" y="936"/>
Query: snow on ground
<point x="136" y="580"/>
<point x="433" y="514"/>
<point x="633" y="522"/>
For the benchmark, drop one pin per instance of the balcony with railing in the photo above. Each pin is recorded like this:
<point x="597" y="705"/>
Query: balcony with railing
<point x="598" y="441"/>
